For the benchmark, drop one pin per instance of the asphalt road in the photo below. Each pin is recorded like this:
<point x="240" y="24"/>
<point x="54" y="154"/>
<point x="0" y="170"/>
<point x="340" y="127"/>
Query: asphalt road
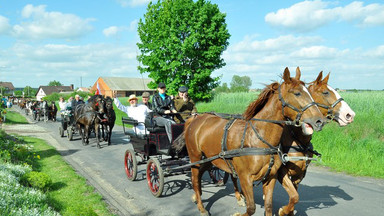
<point x="321" y="193"/>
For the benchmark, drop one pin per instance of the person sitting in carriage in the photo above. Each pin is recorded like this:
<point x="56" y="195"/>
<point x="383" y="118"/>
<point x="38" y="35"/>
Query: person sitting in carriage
<point x="184" y="105"/>
<point x="163" y="106"/>
<point x="145" y="97"/>
<point x="76" y="102"/>
<point x="136" y="111"/>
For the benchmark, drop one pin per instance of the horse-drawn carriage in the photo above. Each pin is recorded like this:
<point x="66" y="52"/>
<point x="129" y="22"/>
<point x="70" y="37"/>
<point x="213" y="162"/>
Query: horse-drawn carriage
<point x="86" y="118"/>
<point x="67" y="124"/>
<point x="158" y="153"/>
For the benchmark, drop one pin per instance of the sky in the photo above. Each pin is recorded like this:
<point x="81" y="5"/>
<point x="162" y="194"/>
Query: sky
<point x="75" y="42"/>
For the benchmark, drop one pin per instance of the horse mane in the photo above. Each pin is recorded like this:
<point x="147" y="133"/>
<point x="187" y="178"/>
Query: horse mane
<point x="260" y="102"/>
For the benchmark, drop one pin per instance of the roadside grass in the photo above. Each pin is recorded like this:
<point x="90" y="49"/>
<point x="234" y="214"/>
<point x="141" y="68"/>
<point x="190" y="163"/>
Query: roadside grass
<point x="358" y="148"/>
<point x="15" y="118"/>
<point x="70" y="194"/>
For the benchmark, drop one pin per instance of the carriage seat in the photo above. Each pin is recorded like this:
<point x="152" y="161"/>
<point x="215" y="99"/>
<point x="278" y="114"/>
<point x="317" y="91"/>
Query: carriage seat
<point x="131" y="132"/>
<point x="151" y="126"/>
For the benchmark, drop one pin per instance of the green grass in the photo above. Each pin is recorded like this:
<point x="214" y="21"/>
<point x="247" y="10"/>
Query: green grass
<point x="119" y="113"/>
<point x="70" y="193"/>
<point x="15" y="118"/>
<point x="359" y="147"/>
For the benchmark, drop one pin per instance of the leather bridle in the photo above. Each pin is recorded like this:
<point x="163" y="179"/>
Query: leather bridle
<point x="299" y="111"/>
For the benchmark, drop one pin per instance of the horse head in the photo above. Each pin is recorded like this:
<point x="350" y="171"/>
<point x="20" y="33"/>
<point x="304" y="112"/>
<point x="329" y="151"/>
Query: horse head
<point x="330" y="102"/>
<point x="108" y="103"/>
<point x="298" y="104"/>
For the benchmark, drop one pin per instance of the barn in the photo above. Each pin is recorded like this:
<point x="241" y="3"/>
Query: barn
<point x="122" y="86"/>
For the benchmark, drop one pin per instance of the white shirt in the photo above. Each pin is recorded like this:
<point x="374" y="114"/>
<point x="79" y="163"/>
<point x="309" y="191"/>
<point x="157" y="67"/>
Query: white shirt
<point x="62" y="105"/>
<point x="138" y="113"/>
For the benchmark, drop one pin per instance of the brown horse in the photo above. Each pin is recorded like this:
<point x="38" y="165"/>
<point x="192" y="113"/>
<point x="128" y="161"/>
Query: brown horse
<point x="204" y="133"/>
<point x="299" y="145"/>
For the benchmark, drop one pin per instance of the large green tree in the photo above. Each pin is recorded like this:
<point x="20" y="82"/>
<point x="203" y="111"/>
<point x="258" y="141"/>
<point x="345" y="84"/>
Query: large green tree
<point x="240" y="83"/>
<point x="181" y="44"/>
<point x="55" y="83"/>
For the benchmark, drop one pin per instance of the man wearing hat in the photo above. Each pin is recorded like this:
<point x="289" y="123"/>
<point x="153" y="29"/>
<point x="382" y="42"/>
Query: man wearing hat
<point x="145" y="97"/>
<point x="135" y="111"/>
<point x="163" y="106"/>
<point x="76" y="102"/>
<point x="184" y="105"/>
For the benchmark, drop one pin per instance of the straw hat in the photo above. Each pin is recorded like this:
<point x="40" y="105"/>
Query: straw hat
<point x="132" y="97"/>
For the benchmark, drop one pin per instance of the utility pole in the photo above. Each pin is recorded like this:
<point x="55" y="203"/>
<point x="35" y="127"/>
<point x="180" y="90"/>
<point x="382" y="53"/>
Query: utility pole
<point x="81" y="81"/>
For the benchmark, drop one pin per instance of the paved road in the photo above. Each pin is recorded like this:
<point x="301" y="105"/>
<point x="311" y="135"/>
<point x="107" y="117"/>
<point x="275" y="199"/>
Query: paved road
<point x="321" y="193"/>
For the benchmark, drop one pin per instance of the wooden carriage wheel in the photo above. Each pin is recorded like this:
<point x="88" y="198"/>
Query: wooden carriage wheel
<point x="155" y="177"/>
<point x="130" y="164"/>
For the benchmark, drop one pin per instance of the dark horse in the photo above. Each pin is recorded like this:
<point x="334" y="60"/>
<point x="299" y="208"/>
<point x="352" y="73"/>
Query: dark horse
<point x="52" y="111"/>
<point x="299" y="145"/>
<point x="278" y="102"/>
<point x="89" y="116"/>
<point x="109" y="122"/>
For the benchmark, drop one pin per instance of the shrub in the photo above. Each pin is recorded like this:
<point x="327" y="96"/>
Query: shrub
<point x="38" y="180"/>
<point x="17" y="200"/>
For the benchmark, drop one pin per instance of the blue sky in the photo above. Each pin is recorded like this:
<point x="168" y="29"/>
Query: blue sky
<point x="41" y="41"/>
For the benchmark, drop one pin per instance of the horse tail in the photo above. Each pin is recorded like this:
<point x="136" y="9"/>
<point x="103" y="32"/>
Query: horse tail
<point x="179" y="143"/>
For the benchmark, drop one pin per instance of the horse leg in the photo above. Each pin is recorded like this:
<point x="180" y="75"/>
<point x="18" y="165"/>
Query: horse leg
<point x="268" y="187"/>
<point x="291" y="189"/>
<point x="97" y="134"/>
<point x="86" y="134"/>
<point x="80" y="128"/>
<point x="246" y="184"/>
<point x="239" y="197"/>
<point x="196" y="184"/>
<point x="110" y="135"/>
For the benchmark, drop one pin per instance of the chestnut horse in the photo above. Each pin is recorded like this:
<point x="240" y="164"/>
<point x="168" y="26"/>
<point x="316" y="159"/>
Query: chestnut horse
<point x="204" y="135"/>
<point x="299" y="145"/>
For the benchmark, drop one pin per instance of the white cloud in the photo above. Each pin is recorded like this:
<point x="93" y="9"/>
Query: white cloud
<point x="40" y="24"/>
<point x="110" y="31"/>
<point x="265" y="60"/>
<point x="309" y="15"/>
<point x="67" y="63"/>
<point x="4" y="25"/>
<point x="132" y="3"/>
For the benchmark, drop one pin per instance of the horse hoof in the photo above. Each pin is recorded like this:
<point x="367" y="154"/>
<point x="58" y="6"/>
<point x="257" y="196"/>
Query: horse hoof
<point x="204" y="213"/>
<point x="236" y="214"/>
<point x="281" y="212"/>
<point x="241" y="201"/>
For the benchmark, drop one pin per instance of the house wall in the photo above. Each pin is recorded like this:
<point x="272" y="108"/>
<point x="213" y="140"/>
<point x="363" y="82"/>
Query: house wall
<point x="40" y="94"/>
<point x="104" y="89"/>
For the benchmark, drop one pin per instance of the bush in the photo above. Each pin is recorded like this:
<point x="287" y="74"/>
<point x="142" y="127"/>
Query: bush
<point x="13" y="150"/>
<point x="17" y="200"/>
<point x="38" y="180"/>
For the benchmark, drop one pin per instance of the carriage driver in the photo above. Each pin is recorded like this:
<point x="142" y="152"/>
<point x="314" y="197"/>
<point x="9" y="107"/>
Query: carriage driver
<point x="163" y="106"/>
<point x="136" y="111"/>
<point x="184" y="104"/>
